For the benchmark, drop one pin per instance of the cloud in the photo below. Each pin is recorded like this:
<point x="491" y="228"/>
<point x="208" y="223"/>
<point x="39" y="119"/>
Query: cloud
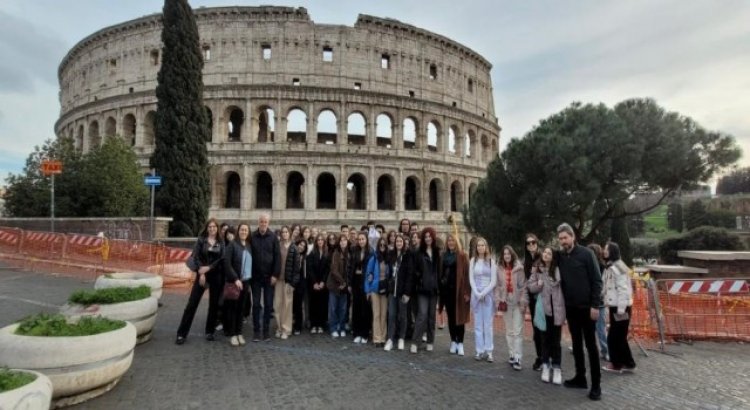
<point x="27" y="52"/>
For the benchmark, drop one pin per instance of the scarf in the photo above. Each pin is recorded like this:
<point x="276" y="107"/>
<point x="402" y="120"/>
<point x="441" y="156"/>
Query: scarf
<point x="508" y="278"/>
<point x="449" y="258"/>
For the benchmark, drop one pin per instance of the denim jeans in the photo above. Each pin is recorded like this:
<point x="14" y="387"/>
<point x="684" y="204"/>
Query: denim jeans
<point x="397" y="311"/>
<point x="262" y="287"/>
<point x="601" y="331"/>
<point x="336" y="311"/>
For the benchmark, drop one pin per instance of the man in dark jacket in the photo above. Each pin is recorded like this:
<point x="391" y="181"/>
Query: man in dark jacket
<point x="581" y="283"/>
<point x="266" y="270"/>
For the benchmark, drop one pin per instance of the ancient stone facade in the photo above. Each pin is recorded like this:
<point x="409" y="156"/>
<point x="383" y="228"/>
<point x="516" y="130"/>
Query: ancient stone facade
<point x="310" y="122"/>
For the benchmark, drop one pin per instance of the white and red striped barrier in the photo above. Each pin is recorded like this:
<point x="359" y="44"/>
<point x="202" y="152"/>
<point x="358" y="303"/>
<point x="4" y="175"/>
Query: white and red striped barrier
<point x="708" y="286"/>
<point x="178" y="254"/>
<point x="9" y="237"/>
<point x="41" y="236"/>
<point x="84" y="240"/>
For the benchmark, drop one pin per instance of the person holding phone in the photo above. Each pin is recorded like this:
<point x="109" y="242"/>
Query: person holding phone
<point x="618" y="297"/>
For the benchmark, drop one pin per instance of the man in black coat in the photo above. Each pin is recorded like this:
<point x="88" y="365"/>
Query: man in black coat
<point x="266" y="270"/>
<point x="581" y="283"/>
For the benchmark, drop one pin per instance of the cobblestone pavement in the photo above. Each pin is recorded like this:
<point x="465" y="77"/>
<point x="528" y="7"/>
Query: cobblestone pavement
<point x="315" y="371"/>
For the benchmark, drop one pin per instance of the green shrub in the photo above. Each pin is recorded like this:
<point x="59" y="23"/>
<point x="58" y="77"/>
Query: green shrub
<point x="57" y="325"/>
<point x="11" y="380"/>
<point x="109" y="295"/>
<point x="645" y="248"/>
<point x="704" y="238"/>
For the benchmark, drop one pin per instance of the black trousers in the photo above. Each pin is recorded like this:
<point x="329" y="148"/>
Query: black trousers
<point x="233" y="311"/>
<point x="617" y="340"/>
<point x="583" y="329"/>
<point x="361" y="310"/>
<point x="318" y="307"/>
<point x="215" y="285"/>
<point x="551" y="350"/>
<point x="456" y="331"/>
<point x="247" y="303"/>
<point x="298" y="301"/>
<point x="537" y="333"/>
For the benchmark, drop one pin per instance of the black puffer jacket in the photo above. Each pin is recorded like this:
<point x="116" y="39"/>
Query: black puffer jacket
<point x="206" y="255"/>
<point x="317" y="267"/>
<point x="266" y="256"/>
<point x="293" y="273"/>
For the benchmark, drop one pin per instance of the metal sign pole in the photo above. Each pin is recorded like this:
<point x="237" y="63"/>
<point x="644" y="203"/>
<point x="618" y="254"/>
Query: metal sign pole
<point x="153" y="188"/>
<point x="52" y="204"/>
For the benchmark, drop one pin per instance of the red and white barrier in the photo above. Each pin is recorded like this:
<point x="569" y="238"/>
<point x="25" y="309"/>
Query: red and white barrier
<point x="41" y="236"/>
<point x="708" y="286"/>
<point x="178" y="255"/>
<point x="84" y="240"/>
<point x="9" y="237"/>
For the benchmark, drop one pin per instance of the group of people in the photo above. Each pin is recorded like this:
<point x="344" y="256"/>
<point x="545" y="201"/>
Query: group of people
<point x="393" y="286"/>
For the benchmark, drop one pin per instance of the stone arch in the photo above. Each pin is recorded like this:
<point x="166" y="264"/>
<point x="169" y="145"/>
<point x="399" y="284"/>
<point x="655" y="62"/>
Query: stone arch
<point x="128" y="128"/>
<point x="356" y="128"/>
<point x="457" y="196"/>
<point x="386" y="190"/>
<point x="384" y="130"/>
<point x="95" y="139"/>
<point x="79" y="138"/>
<point x="326" y="187"/>
<point x="295" y="193"/>
<point x="233" y="190"/>
<point x="210" y="117"/>
<point x="356" y="192"/>
<point x="266" y="124"/>
<point x="470" y="144"/>
<point x="433" y="136"/>
<point x="326" y="127"/>
<point x="493" y="149"/>
<point x="412" y="194"/>
<point x="235" y="118"/>
<point x="263" y="190"/>
<point x="454" y="140"/>
<point x="149" y="135"/>
<point x="410" y="132"/>
<point x="485" y="148"/>
<point x="436" y="194"/>
<point x="296" y="123"/>
<point x="110" y="127"/>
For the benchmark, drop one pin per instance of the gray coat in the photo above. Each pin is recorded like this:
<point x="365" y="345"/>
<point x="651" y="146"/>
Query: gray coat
<point x="550" y="291"/>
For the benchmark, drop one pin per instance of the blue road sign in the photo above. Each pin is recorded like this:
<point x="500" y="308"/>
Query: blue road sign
<point x="152" y="180"/>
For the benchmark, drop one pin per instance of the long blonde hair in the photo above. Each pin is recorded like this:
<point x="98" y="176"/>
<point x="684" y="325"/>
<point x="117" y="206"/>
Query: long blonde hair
<point x="488" y="253"/>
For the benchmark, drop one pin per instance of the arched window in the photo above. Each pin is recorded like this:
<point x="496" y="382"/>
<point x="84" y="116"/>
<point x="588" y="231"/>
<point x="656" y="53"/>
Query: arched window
<point x="296" y="123"/>
<point x="355" y="129"/>
<point x="457" y="196"/>
<point x="128" y="129"/>
<point x="94" y="138"/>
<point x="452" y="142"/>
<point x="412" y="197"/>
<point x="386" y="193"/>
<point x="234" y="189"/>
<point x="384" y="130"/>
<point x="110" y="127"/>
<point x="436" y="195"/>
<point x="326" y="191"/>
<point x="234" y="124"/>
<point x="327" y="130"/>
<point x="266" y="123"/>
<point x="356" y="192"/>
<point x="294" y="193"/>
<point x="485" y="148"/>
<point x="471" y="143"/>
<point x="263" y="191"/>
<point x="410" y="132"/>
<point x="148" y="129"/>
<point x="433" y="136"/>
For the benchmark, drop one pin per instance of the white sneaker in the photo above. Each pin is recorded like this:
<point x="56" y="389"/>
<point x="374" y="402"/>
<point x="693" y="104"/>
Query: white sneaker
<point x="460" y="349"/>
<point x="388" y="345"/>
<point x="284" y="336"/>
<point x="234" y="341"/>
<point x="413" y="348"/>
<point x="363" y="341"/>
<point x="557" y="376"/>
<point x="545" y="373"/>
<point x="429" y="347"/>
<point x="454" y="347"/>
<point x="343" y="333"/>
<point x="400" y="344"/>
<point x="357" y="339"/>
<point x="478" y="356"/>
<point x="490" y="359"/>
<point x="334" y="334"/>
<point x="241" y="340"/>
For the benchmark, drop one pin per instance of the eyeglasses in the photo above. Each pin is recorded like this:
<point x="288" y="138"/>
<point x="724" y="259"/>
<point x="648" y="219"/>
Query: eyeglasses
<point x="530" y="242"/>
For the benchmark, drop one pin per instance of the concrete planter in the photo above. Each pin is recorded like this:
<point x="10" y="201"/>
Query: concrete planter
<point x="141" y="313"/>
<point x="79" y="367"/>
<point x="35" y="395"/>
<point x="131" y="280"/>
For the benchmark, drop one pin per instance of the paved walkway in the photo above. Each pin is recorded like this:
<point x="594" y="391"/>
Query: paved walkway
<point x="314" y="371"/>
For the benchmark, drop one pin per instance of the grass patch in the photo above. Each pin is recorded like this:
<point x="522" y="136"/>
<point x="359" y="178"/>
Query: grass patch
<point x="57" y="325"/>
<point x="656" y="226"/>
<point x="11" y="380"/>
<point x="109" y="295"/>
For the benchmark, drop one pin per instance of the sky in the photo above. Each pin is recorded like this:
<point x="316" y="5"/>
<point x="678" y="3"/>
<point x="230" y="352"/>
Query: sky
<point x="692" y="57"/>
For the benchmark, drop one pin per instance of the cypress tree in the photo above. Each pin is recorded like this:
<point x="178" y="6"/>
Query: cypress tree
<point x="181" y="125"/>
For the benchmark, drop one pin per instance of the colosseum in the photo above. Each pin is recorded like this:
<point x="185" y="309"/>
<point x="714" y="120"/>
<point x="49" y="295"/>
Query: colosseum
<point x="310" y="122"/>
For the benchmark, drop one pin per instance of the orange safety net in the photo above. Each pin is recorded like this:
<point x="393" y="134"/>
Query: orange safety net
<point x="691" y="316"/>
<point x="89" y="256"/>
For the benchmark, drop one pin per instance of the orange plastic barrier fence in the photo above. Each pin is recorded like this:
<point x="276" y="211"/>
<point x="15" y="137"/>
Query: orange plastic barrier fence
<point x="89" y="256"/>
